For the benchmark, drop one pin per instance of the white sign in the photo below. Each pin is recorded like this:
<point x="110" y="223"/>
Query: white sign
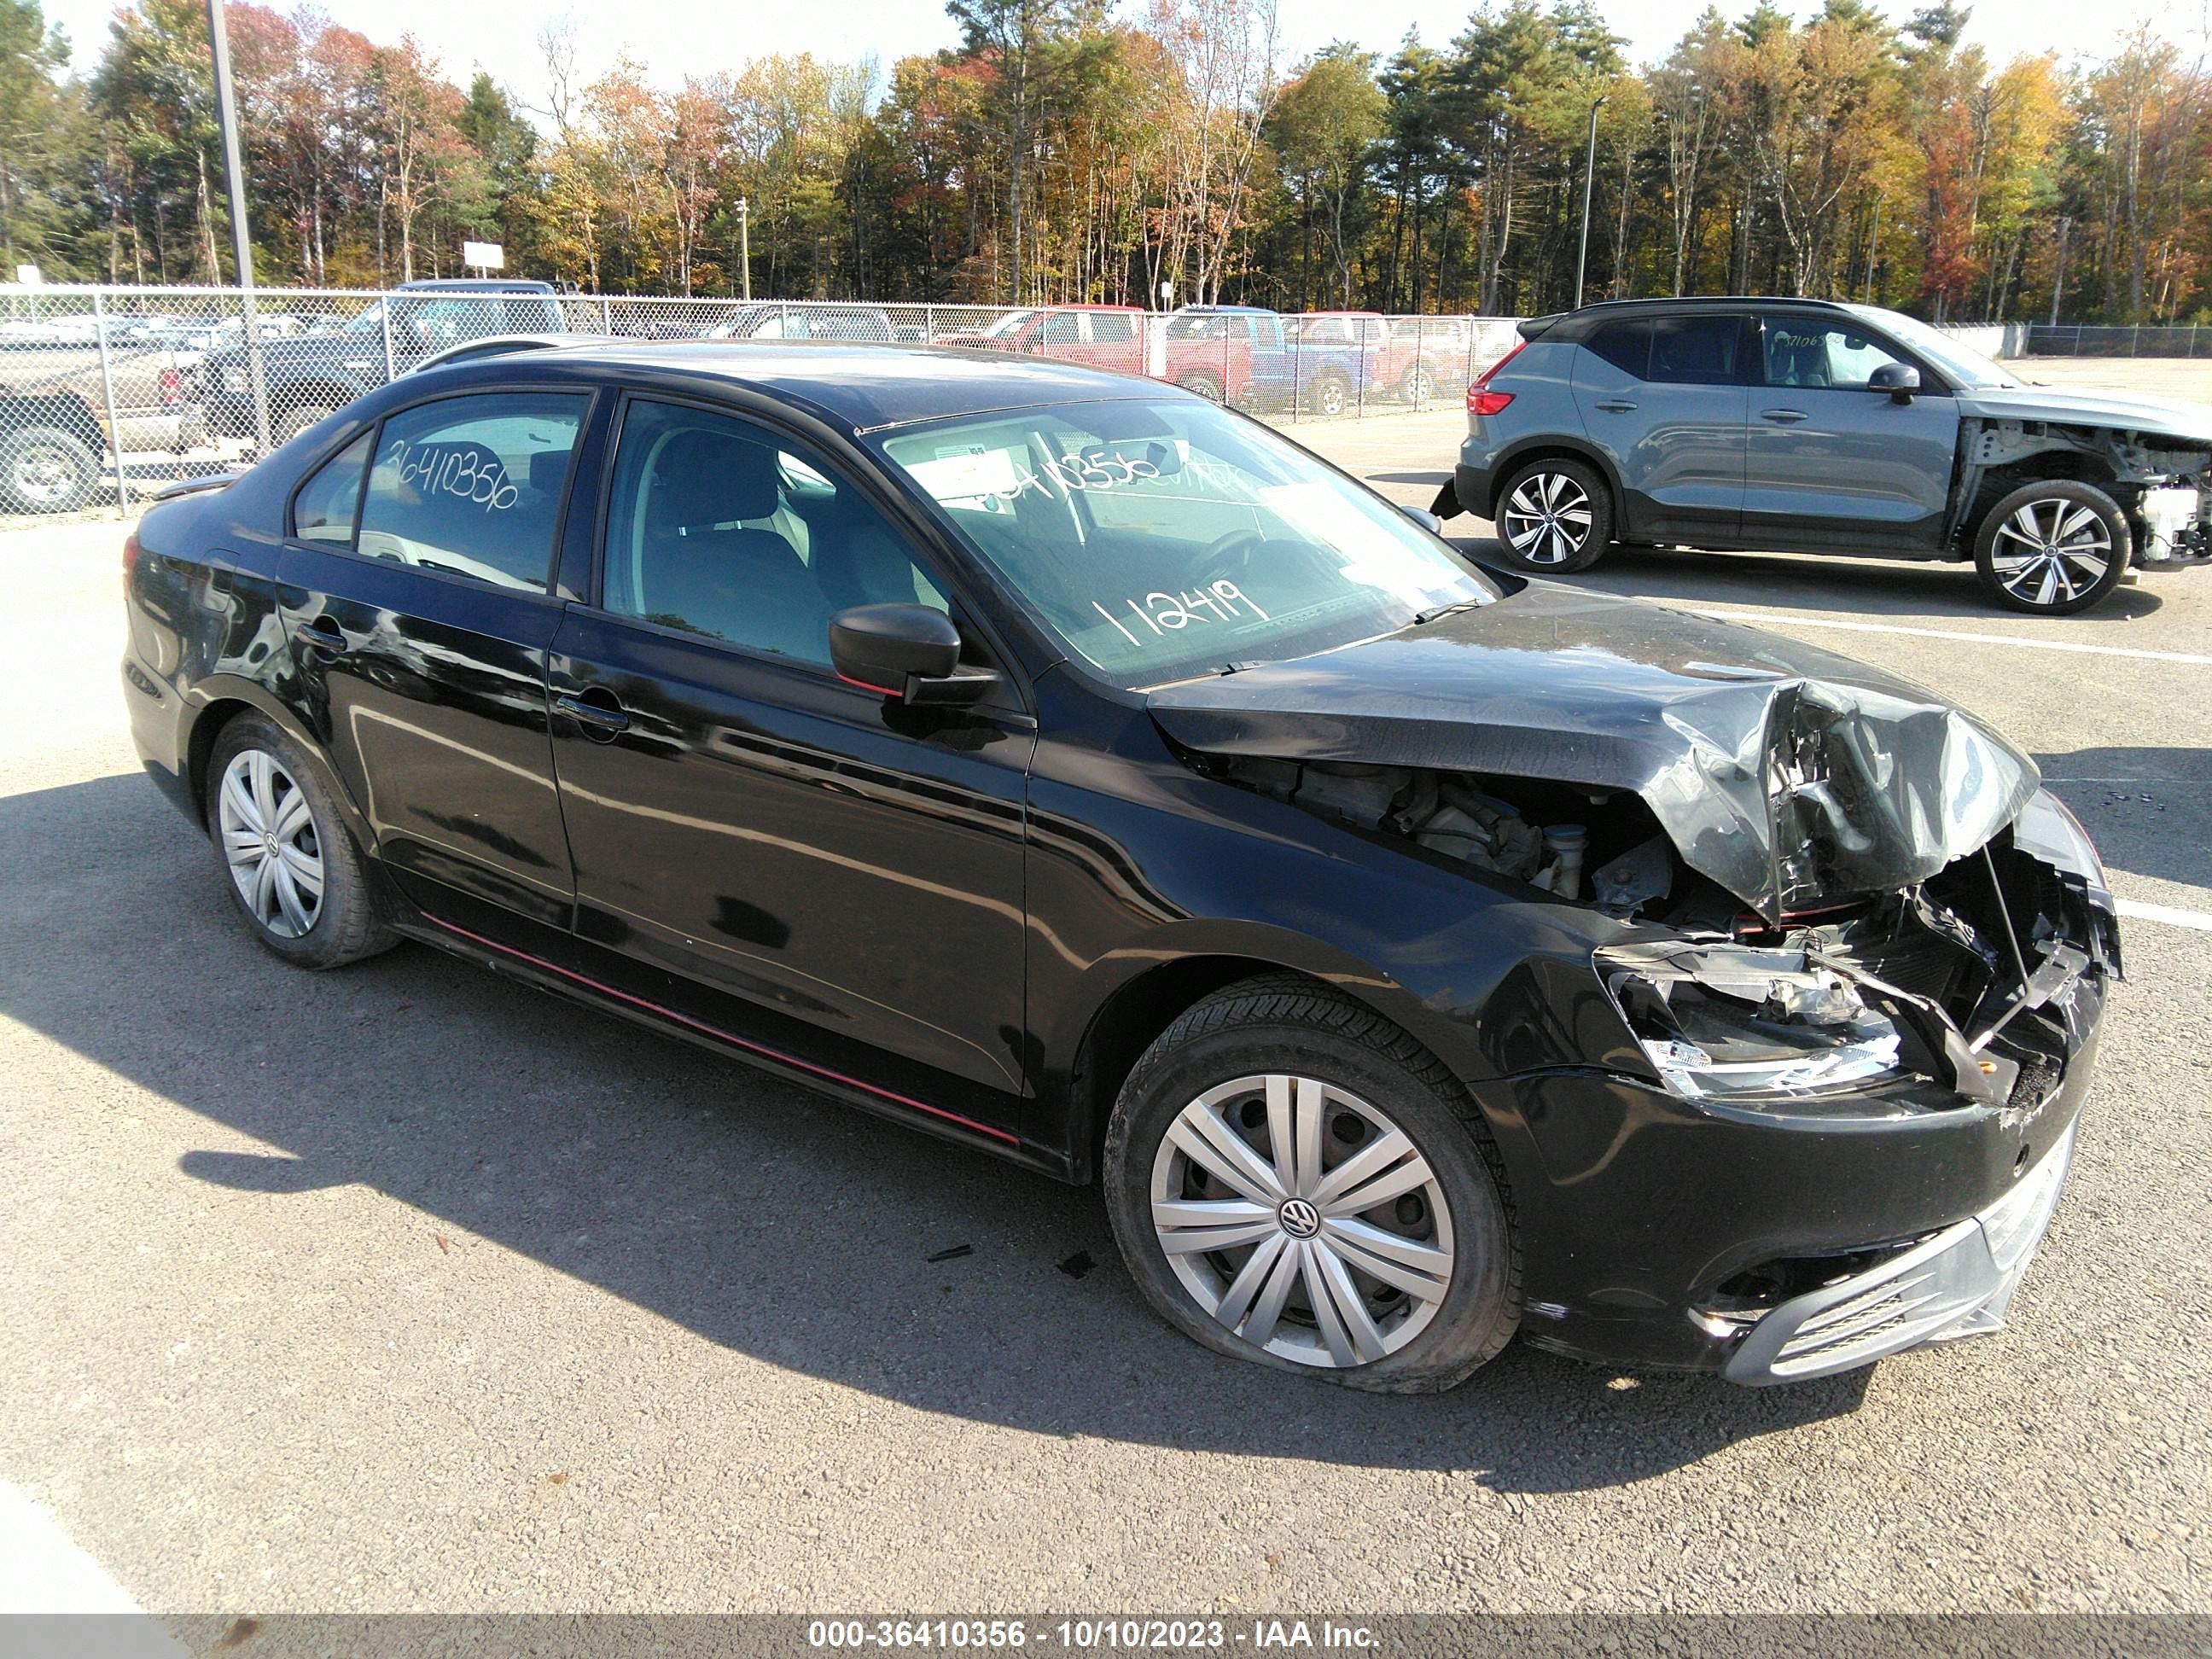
<point x="29" y="276"/>
<point x="485" y="255"/>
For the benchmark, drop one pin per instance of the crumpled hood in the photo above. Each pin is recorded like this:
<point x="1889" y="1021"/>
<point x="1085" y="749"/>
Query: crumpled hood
<point x="1784" y="772"/>
<point x="2167" y="417"/>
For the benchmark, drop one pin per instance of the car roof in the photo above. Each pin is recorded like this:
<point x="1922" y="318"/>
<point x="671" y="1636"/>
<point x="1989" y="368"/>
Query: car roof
<point x="1705" y="301"/>
<point x="1225" y="311"/>
<point x="861" y="386"/>
<point x="475" y="285"/>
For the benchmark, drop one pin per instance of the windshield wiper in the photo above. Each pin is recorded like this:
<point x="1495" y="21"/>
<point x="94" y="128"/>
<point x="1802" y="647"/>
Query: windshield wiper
<point x="1422" y="617"/>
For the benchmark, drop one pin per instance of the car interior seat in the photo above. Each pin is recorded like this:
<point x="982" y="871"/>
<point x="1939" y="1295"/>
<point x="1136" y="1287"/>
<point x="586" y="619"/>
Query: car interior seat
<point x="701" y="567"/>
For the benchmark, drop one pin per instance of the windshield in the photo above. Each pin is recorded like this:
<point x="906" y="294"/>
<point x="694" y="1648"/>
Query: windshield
<point x="1010" y="324"/>
<point x="1164" y="540"/>
<point x="1946" y="351"/>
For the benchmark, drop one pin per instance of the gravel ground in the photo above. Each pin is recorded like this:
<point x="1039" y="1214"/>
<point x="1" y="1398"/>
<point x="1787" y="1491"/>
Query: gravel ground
<point x="406" y="1288"/>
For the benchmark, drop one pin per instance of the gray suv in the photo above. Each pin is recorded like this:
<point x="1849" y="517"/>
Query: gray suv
<point x="1810" y="427"/>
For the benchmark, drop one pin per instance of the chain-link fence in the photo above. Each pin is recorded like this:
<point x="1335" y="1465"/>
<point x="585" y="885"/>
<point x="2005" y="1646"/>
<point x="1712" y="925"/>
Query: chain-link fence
<point x="107" y="394"/>
<point x="2118" y="340"/>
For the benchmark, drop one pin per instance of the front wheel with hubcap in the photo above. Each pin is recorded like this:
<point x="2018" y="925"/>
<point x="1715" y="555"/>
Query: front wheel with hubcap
<point x="43" y="469"/>
<point x="2053" y="548"/>
<point x="1294" y="1181"/>
<point x="294" y="870"/>
<point x="1554" y="517"/>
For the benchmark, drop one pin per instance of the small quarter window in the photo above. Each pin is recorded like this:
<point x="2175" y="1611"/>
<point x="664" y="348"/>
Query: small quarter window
<point x="324" y="509"/>
<point x="1626" y="346"/>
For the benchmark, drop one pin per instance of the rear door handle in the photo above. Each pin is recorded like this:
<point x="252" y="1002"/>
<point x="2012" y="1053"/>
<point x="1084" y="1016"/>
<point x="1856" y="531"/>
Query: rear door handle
<point x="322" y="635"/>
<point x="1614" y="406"/>
<point x="1781" y="417"/>
<point x="597" y="711"/>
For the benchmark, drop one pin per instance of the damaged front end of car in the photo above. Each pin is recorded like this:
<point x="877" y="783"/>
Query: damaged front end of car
<point x="1840" y="902"/>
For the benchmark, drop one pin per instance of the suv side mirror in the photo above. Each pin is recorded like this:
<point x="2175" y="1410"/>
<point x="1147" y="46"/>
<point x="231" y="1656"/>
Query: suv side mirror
<point x="1426" y="519"/>
<point x="1899" y="380"/>
<point x="909" y="652"/>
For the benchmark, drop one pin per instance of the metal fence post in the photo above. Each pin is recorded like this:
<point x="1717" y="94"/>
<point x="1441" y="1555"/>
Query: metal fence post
<point x="108" y="391"/>
<point x="384" y="312"/>
<point x="929" y="325"/>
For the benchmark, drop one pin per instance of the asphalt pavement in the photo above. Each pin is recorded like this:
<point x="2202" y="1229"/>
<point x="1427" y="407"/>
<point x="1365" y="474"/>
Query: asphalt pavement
<point x="407" y="1288"/>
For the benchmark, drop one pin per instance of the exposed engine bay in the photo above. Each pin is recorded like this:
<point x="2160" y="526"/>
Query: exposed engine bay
<point x="2169" y="481"/>
<point x="1967" y="979"/>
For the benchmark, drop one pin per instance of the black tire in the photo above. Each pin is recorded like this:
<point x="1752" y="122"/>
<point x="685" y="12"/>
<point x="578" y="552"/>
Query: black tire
<point x="1206" y="385"/>
<point x="1554" y="517"/>
<point x="345" y="922"/>
<point x="2035" y="541"/>
<point x="43" y="469"/>
<point x="1287" y="1024"/>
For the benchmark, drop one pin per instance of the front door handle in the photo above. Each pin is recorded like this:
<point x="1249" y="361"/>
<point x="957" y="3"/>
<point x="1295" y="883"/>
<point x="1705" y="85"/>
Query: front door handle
<point x="597" y="710"/>
<point x="321" y="634"/>
<point x="1614" y="405"/>
<point x="1781" y="417"/>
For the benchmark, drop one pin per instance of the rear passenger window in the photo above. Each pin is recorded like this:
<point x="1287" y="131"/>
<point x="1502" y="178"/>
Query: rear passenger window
<point x="472" y="486"/>
<point x="1626" y="346"/>
<point x="1063" y="328"/>
<point x="1696" y="350"/>
<point x="324" y="509"/>
<point x="1110" y="327"/>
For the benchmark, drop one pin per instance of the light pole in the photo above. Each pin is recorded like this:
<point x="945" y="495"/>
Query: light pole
<point x="744" y="247"/>
<point x="241" y="242"/>
<point x="1590" y="178"/>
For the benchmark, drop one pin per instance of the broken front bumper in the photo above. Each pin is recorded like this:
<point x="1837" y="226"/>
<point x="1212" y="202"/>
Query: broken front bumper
<point x="1957" y="1284"/>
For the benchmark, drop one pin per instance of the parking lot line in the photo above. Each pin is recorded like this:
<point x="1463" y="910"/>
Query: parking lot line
<point x="1775" y="617"/>
<point x="2172" y="917"/>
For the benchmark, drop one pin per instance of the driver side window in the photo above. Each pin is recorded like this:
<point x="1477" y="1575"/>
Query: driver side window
<point x="1805" y="352"/>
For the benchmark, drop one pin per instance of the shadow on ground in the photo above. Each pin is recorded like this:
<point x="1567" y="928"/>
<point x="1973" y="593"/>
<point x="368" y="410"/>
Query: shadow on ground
<point x="1863" y="589"/>
<point x="749" y="1212"/>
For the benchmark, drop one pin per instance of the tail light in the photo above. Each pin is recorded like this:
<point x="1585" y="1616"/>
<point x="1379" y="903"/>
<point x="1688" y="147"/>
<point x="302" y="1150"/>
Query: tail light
<point x="1480" y="399"/>
<point x="172" y="388"/>
<point x="130" y="552"/>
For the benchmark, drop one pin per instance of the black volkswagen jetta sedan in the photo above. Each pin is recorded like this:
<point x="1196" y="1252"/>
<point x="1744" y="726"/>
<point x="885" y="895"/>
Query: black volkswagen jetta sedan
<point x="1069" y="767"/>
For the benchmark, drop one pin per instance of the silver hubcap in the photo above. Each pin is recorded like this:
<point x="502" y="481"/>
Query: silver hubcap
<point x="1303" y="1219"/>
<point x="1418" y="386"/>
<point x="2050" y="551"/>
<point x="43" y="474"/>
<point x="268" y="837"/>
<point x="1547" y="518"/>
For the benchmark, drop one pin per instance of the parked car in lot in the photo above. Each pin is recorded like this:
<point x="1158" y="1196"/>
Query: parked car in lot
<point x="1096" y="336"/>
<point x="1410" y="359"/>
<point x="56" y="440"/>
<point x="1062" y="764"/>
<point x="777" y="321"/>
<point x="1809" y="427"/>
<point x="310" y="374"/>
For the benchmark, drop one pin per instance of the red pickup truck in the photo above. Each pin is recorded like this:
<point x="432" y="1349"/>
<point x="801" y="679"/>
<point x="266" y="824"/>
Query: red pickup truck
<point x="1098" y="337"/>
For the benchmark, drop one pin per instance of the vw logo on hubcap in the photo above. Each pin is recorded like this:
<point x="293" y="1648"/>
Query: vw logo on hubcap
<point x="1299" y="1218"/>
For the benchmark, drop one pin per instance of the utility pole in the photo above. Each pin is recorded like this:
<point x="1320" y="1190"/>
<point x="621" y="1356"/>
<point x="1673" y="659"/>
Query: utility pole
<point x="241" y="242"/>
<point x="1590" y="179"/>
<point x="2058" y="284"/>
<point x="744" y="248"/>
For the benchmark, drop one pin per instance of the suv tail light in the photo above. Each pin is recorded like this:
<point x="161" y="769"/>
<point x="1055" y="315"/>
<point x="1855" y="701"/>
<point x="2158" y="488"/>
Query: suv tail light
<point x="172" y="388"/>
<point x="1480" y="399"/>
<point x="131" y="551"/>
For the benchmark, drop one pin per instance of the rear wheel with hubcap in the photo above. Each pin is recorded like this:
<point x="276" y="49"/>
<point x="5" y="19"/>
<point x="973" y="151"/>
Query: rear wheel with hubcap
<point x="1294" y="1181"/>
<point x="2053" y="548"/>
<point x="1554" y="517"/>
<point x="294" y="870"/>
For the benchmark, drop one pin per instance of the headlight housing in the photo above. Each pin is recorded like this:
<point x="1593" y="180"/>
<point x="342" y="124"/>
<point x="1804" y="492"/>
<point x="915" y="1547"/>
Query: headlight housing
<point x="1720" y="1021"/>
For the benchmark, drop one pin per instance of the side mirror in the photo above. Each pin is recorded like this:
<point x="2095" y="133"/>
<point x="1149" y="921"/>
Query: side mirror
<point x="1426" y="519"/>
<point x="1899" y="380"/>
<point x="905" y="651"/>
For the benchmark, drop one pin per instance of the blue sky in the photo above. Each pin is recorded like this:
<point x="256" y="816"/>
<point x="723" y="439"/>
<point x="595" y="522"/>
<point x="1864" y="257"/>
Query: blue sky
<point x="674" y="36"/>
